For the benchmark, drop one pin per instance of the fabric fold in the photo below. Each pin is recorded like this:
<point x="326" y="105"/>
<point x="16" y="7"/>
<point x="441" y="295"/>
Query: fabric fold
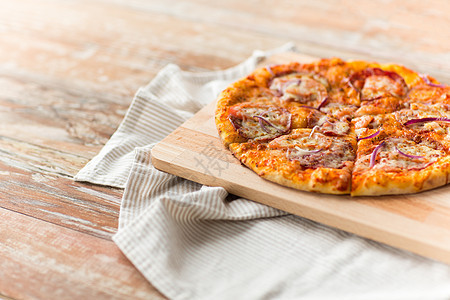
<point x="183" y="199"/>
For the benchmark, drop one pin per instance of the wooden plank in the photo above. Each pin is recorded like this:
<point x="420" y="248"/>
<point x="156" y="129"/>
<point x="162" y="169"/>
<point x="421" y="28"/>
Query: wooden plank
<point x="104" y="53"/>
<point x="419" y="223"/>
<point x="39" y="260"/>
<point x="56" y="118"/>
<point x="38" y="182"/>
<point x="40" y="158"/>
<point x="389" y="31"/>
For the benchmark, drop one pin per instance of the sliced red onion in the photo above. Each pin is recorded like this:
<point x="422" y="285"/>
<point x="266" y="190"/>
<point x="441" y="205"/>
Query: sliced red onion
<point x="393" y="75"/>
<point x="308" y="151"/>
<point x="296" y="156"/>
<point x="374" y="154"/>
<point x="307" y="106"/>
<point x="312" y="131"/>
<point x="323" y="103"/>
<point x="421" y="167"/>
<point x="277" y="93"/>
<point x="408" y="155"/>
<point x="237" y="117"/>
<point x="380" y="72"/>
<point x="425" y="120"/>
<point x="286" y="84"/>
<point x="369" y="136"/>
<point x="263" y="120"/>
<point x="233" y="122"/>
<point x="269" y="69"/>
<point x="427" y="81"/>
<point x="351" y="85"/>
<point x="289" y="123"/>
<point x="372" y="99"/>
<point x="328" y="121"/>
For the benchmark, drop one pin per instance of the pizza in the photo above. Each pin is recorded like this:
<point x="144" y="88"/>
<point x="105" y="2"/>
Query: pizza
<point x="339" y="127"/>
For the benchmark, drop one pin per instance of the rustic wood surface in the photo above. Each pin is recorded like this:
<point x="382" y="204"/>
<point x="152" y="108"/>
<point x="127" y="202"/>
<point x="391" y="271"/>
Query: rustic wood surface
<point x="68" y="72"/>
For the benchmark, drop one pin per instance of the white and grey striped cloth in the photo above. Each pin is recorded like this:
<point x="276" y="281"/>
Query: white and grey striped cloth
<point x="197" y="242"/>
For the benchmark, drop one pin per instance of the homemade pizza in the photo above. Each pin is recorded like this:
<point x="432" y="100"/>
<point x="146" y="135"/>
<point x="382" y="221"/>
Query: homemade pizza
<point x="338" y="127"/>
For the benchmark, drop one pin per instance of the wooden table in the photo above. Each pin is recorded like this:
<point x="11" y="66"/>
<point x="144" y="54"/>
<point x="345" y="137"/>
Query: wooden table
<point x="68" y="72"/>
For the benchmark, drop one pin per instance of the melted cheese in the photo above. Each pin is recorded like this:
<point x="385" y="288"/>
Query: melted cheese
<point x="434" y="126"/>
<point x="261" y="122"/>
<point x="317" y="150"/>
<point x="301" y="88"/>
<point x="389" y="159"/>
<point x="375" y="86"/>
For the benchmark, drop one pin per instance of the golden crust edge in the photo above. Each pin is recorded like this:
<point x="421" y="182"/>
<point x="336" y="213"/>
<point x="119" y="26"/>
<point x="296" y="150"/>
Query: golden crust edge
<point x="310" y="185"/>
<point x="380" y="184"/>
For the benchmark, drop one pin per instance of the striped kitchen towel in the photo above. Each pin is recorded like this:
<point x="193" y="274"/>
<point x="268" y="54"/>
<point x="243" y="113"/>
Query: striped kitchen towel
<point x="197" y="242"/>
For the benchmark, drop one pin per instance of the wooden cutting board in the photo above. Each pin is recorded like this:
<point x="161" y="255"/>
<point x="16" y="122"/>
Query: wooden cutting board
<point x="419" y="223"/>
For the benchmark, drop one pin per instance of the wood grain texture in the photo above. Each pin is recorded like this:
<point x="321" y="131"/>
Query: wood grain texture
<point x="40" y="260"/>
<point x="85" y="208"/>
<point x="419" y="223"/>
<point x="68" y="72"/>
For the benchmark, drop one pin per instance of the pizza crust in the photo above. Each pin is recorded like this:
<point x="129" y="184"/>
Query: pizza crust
<point x="290" y="174"/>
<point x="377" y="183"/>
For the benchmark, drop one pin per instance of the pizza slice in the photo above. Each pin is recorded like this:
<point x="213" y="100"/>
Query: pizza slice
<point x="379" y="91"/>
<point x="305" y="159"/>
<point x="392" y="159"/>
